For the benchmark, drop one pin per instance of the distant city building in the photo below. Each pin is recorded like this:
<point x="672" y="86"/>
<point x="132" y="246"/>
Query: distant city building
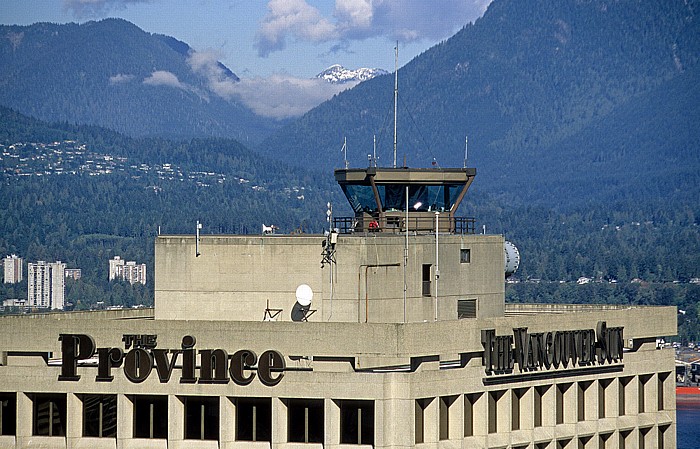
<point x="128" y="271"/>
<point x="13" y="269"/>
<point x="74" y="273"/>
<point x="46" y="284"/>
<point x="14" y="303"/>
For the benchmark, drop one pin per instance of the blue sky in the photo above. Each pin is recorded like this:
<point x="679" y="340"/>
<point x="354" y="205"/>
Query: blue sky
<point x="275" y="41"/>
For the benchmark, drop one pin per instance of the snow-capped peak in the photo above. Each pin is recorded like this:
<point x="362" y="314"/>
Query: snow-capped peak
<point x="337" y="74"/>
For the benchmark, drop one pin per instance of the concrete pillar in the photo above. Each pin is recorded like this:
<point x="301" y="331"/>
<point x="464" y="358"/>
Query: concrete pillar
<point x="74" y="420"/>
<point x="176" y="419"/>
<point x="331" y="425"/>
<point x="125" y="420"/>
<point x="25" y="419"/>
<point x="227" y="421"/>
<point x="279" y="423"/>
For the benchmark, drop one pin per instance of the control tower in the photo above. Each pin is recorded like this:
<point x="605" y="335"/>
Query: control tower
<point x="399" y="199"/>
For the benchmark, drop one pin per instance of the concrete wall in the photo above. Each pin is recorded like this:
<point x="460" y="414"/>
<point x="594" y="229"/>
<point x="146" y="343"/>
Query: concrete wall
<point x="234" y="277"/>
<point x="328" y="362"/>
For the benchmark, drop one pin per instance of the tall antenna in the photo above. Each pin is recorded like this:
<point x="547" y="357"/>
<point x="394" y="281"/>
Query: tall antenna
<point x="396" y="93"/>
<point x="345" y="151"/>
<point x="466" y="145"/>
<point x="374" y="149"/>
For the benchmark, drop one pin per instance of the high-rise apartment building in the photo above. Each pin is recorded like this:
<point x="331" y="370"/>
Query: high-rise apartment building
<point x="46" y="284"/>
<point x="128" y="271"/>
<point x="13" y="269"/>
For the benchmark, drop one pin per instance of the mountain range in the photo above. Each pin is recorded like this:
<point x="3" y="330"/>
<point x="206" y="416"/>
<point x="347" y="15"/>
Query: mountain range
<point x="113" y="74"/>
<point x="337" y="74"/>
<point x="563" y="103"/>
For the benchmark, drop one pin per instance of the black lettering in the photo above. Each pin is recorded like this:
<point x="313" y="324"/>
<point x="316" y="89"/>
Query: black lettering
<point x="271" y="362"/>
<point x="138" y="364"/>
<point x="164" y="368"/>
<point x="74" y="347"/>
<point x="188" y="360"/>
<point x="214" y="366"/>
<point x="521" y="347"/>
<point x="240" y="361"/>
<point x="487" y="340"/>
<point x="108" y="358"/>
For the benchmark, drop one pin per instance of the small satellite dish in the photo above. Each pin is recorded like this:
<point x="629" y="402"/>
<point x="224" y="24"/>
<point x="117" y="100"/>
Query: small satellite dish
<point x="304" y="295"/>
<point x="301" y="308"/>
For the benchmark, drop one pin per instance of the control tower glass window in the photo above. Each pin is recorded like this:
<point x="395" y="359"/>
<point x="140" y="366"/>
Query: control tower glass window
<point x="421" y="197"/>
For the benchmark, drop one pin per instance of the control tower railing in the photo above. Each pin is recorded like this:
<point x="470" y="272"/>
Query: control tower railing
<point x="397" y="224"/>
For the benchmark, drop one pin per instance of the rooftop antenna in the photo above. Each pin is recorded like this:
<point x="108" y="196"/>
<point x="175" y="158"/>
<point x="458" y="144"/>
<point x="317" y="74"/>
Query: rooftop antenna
<point x="196" y="249"/>
<point x="374" y="149"/>
<point x="396" y="93"/>
<point x="466" y="145"/>
<point x="345" y="151"/>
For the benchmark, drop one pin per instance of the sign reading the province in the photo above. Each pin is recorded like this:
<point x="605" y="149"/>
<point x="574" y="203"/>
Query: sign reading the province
<point x="547" y="350"/>
<point x="142" y="358"/>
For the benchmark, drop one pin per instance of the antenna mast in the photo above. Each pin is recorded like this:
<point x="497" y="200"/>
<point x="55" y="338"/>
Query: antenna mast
<point x="396" y="93"/>
<point x="345" y="151"/>
<point x="466" y="145"/>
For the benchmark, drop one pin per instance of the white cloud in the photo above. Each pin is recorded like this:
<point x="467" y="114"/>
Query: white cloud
<point x="120" y="78"/>
<point x="164" y="78"/>
<point x="291" y="17"/>
<point x="278" y="96"/>
<point x="284" y="97"/>
<point x="404" y="20"/>
<point x="95" y="8"/>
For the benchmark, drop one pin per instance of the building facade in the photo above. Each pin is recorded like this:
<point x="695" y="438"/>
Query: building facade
<point x="46" y="285"/>
<point x="129" y="271"/>
<point x="12" y="268"/>
<point x="373" y="337"/>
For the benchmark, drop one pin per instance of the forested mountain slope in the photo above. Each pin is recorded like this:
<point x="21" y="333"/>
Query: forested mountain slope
<point x="112" y="74"/>
<point x="538" y="87"/>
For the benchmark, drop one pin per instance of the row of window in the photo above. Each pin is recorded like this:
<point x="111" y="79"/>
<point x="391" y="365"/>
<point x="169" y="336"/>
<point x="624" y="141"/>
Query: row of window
<point x="526" y="408"/>
<point x="305" y="417"/>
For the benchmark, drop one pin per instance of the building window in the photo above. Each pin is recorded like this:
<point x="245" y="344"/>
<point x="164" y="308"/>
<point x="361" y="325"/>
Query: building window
<point x="466" y="308"/>
<point x="539" y="394"/>
<point x="201" y="418"/>
<point x="150" y="416"/>
<point x="465" y="255"/>
<point x="445" y="404"/>
<point x="470" y="401"/>
<point x="562" y="391"/>
<point x="582" y="400"/>
<point x="419" y="416"/>
<point x="8" y="413"/>
<point x="493" y="411"/>
<point x="622" y="393"/>
<point x="516" y="399"/>
<point x="603" y="386"/>
<point x="426" y="279"/>
<point x="253" y="419"/>
<point x="49" y="415"/>
<point x="357" y="422"/>
<point x="99" y="415"/>
<point x="305" y="420"/>
<point x="661" y="388"/>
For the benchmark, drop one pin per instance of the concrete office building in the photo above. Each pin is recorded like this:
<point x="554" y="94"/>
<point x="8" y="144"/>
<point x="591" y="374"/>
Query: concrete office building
<point x="391" y="333"/>
<point x="46" y="285"/>
<point x="12" y="268"/>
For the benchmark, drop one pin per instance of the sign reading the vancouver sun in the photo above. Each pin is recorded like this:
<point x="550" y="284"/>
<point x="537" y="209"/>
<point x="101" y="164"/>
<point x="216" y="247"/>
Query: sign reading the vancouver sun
<point x="547" y="350"/>
<point x="140" y="358"/>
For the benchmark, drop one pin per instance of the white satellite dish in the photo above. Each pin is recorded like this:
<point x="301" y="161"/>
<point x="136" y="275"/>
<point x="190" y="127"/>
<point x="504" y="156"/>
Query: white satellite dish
<point x="301" y="307"/>
<point x="304" y="295"/>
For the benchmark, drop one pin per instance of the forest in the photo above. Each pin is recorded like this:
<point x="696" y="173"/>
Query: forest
<point x="643" y="253"/>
